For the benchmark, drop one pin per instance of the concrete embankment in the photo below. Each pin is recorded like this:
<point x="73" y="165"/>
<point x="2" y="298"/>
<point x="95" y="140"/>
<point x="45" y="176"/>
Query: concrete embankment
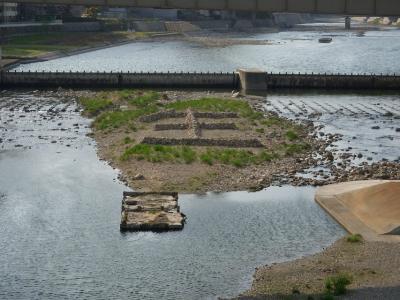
<point x="245" y="80"/>
<point x="370" y="208"/>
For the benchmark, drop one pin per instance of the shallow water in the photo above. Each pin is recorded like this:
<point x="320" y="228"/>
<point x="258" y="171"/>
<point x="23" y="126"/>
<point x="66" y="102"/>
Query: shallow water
<point x="376" y="52"/>
<point x="60" y="213"/>
<point x="368" y="123"/>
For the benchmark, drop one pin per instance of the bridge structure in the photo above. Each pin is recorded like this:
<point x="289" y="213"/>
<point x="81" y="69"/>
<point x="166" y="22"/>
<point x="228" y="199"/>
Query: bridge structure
<point x="340" y="7"/>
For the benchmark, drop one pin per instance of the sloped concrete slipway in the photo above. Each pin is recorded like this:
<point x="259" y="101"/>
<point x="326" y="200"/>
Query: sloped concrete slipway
<point x="370" y="208"/>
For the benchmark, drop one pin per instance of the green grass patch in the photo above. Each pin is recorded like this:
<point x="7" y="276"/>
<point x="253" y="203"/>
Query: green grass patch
<point x="291" y="135"/>
<point x="355" y="238"/>
<point x="116" y="119"/>
<point x="144" y="100"/>
<point x="273" y="121"/>
<point x="234" y="157"/>
<point x="218" y="105"/>
<point x="187" y="155"/>
<point x="337" y="285"/>
<point x="93" y="106"/>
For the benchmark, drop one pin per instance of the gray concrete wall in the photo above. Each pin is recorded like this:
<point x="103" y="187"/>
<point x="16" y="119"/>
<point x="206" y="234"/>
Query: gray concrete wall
<point x="199" y="80"/>
<point x="67" y="79"/>
<point x="43" y="28"/>
<point x="149" y="26"/>
<point x="342" y="81"/>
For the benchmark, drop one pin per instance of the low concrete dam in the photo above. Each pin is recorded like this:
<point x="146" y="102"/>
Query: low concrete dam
<point x="370" y="208"/>
<point x="249" y="80"/>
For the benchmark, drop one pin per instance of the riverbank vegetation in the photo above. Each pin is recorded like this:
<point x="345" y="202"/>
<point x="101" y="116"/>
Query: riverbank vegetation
<point x="119" y="131"/>
<point x="345" y="267"/>
<point x="39" y="44"/>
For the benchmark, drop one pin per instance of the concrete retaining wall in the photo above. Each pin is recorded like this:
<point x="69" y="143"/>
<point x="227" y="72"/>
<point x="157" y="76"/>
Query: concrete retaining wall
<point x="56" y="27"/>
<point x="340" y="81"/>
<point x="149" y="26"/>
<point x="78" y="79"/>
<point x="198" y="80"/>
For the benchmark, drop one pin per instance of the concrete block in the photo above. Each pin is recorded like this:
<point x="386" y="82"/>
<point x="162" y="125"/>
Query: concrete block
<point x="253" y="80"/>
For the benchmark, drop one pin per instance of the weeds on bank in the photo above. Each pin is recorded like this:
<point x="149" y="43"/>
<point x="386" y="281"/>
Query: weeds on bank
<point x="218" y="105"/>
<point x="185" y="154"/>
<point x="141" y="103"/>
<point x="355" y="238"/>
<point x="237" y="158"/>
<point x="116" y="119"/>
<point x="291" y="135"/>
<point x="337" y="285"/>
<point x="93" y="106"/>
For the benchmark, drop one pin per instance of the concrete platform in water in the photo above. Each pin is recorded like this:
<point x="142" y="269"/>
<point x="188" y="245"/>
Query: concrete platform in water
<point x="151" y="212"/>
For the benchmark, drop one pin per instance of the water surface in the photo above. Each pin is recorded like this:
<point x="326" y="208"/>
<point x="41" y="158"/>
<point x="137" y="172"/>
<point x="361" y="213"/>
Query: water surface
<point x="291" y="51"/>
<point x="60" y="212"/>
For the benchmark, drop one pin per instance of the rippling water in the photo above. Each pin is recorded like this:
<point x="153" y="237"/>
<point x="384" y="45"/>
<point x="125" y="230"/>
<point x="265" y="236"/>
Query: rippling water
<point x="60" y="213"/>
<point x="60" y="206"/>
<point x="376" y="52"/>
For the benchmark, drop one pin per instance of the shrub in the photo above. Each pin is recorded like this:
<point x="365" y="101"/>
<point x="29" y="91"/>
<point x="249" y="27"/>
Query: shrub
<point x="337" y="285"/>
<point x="355" y="238"/>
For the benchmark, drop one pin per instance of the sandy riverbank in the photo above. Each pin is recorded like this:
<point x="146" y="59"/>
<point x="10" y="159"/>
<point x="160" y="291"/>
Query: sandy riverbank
<point x="373" y="266"/>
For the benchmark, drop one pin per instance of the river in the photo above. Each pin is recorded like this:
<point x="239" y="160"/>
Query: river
<point x="60" y="205"/>
<point x="290" y="51"/>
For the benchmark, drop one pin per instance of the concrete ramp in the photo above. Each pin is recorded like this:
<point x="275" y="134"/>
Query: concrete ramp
<point x="371" y="208"/>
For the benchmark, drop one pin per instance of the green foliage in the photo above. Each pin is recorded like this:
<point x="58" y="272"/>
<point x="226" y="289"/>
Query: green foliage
<point x="355" y="238"/>
<point x="271" y="121"/>
<point x="291" y="135"/>
<point x="337" y="285"/>
<point x="116" y="119"/>
<point x="218" y="105"/>
<point x="206" y="158"/>
<point x="93" y="106"/>
<point x="145" y="99"/>
<point x="237" y="158"/>
<point x="185" y="154"/>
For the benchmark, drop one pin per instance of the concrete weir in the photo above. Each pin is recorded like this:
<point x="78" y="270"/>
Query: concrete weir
<point x="151" y="212"/>
<point x="370" y="208"/>
<point x="246" y="79"/>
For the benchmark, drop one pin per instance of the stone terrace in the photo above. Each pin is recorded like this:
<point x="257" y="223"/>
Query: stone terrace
<point x="186" y="129"/>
